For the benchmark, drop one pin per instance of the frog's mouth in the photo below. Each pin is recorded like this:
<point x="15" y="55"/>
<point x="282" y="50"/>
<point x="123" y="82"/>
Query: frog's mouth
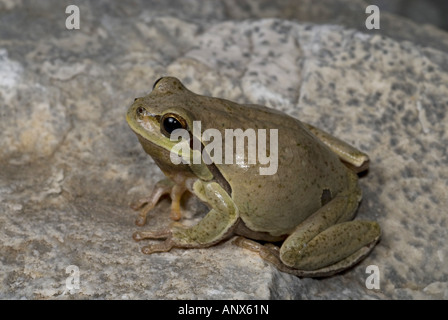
<point x="161" y="157"/>
<point x="147" y="129"/>
<point x="147" y="126"/>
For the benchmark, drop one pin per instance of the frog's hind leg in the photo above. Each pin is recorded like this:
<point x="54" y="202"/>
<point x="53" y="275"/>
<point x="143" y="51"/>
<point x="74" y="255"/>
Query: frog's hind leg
<point x="354" y="159"/>
<point x="328" y="242"/>
<point x="271" y="254"/>
<point x="325" y="243"/>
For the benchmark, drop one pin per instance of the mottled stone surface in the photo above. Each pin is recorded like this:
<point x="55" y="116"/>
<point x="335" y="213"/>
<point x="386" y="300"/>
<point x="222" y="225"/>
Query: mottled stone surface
<point x="70" y="166"/>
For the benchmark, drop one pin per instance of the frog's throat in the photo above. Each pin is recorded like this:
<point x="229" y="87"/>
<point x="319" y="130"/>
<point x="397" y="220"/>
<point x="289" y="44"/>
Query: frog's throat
<point x="161" y="155"/>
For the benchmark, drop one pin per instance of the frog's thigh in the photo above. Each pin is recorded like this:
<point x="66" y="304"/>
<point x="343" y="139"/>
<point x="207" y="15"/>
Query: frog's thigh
<point x="321" y="240"/>
<point x="352" y="157"/>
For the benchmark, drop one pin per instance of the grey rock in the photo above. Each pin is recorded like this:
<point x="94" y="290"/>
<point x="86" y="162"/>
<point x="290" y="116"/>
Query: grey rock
<point x="70" y="166"/>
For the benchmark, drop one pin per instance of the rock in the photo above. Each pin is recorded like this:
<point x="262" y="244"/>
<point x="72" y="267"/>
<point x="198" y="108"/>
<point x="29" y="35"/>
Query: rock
<point x="70" y="166"/>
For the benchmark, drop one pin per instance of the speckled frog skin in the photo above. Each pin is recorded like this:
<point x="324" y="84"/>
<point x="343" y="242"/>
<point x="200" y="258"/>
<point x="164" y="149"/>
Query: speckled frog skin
<point x="309" y="203"/>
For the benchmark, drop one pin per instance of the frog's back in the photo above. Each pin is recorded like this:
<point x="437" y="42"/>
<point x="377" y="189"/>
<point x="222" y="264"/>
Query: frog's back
<point x="306" y="171"/>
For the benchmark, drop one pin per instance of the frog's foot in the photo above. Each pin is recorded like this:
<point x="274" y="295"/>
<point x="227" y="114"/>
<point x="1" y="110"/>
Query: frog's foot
<point x="175" y="236"/>
<point x="163" y="187"/>
<point x="271" y="254"/>
<point x="216" y="226"/>
<point x="163" y="246"/>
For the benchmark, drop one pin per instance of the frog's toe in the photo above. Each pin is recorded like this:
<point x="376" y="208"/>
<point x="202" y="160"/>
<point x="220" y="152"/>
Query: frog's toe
<point x="140" y="221"/>
<point x="139" y="204"/>
<point x="175" y="212"/>
<point x="164" y="246"/>
<point x="268" y="252"/>
<point x="255" y="246"/>
<point x="177" y="191"/>
<point x="161" y="189"/>
<point x="247" y="244"/>
<point x="157" y="234"/>
<point x="142" y="216"/>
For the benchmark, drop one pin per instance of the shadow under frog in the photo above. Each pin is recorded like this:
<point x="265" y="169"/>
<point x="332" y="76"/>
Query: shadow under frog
<point x="308" y="204"/>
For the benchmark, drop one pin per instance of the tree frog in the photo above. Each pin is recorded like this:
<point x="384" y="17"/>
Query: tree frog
<point x="299" y="219"/>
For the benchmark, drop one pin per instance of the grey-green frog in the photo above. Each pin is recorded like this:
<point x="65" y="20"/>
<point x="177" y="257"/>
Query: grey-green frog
<point x="307" y="205"/>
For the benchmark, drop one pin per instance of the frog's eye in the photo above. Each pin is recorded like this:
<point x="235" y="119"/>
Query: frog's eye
<point x="170" y="122"/>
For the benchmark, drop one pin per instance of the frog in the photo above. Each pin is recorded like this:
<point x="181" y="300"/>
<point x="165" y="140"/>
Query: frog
<point x="300" y="219"/>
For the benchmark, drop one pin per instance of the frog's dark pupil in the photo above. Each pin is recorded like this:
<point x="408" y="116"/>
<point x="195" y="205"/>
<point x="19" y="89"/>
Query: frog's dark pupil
<point x="170" y="124"/>
<point x="140" y="111"/>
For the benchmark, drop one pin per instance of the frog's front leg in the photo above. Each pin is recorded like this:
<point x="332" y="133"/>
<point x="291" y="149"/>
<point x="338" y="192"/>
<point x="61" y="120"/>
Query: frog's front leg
<point x="163" y="187"/>
<point x="214" y="227"/>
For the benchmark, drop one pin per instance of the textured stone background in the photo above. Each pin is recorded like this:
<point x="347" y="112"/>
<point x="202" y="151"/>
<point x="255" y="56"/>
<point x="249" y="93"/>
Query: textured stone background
<point x="70" y="166"/>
